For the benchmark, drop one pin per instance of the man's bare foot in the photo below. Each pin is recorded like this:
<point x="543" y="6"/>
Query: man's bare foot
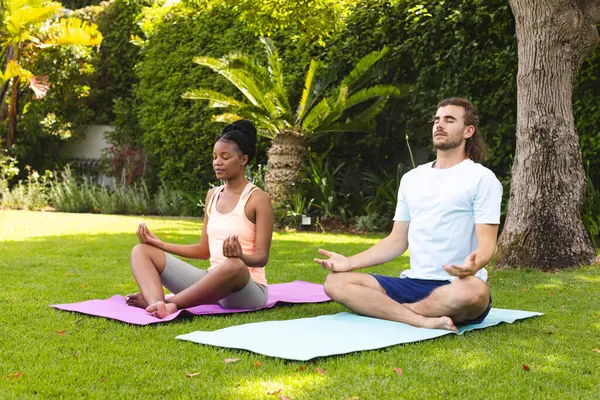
<point x="160" y="309"/>
<point x="445" y="323"/>
<point x="136" y="300"/>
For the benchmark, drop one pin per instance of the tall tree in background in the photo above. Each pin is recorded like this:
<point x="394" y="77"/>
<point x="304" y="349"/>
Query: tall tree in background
<point x="543" y="226"/>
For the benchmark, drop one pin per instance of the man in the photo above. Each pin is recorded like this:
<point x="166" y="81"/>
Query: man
<point x="448" y="211"/>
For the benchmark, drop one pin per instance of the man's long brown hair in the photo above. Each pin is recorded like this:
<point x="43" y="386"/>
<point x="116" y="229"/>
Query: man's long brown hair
<point x="474" y="146"/>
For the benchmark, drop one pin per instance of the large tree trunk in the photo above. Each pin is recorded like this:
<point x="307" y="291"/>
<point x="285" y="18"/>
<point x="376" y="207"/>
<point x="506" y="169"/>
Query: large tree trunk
<point x="543" y="226"/>
<point x="286" y="157"/>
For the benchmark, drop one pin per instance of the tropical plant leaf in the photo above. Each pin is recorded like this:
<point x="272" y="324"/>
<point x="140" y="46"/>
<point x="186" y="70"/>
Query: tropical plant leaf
<point x="363" y="65"/>
<point x="216" y="99"/>
<point x="13" y="68"/>
<point x="370" y="93"/>
<point x="317" y="114"/>
<point x="337" y="108"/>
<point x="242" y="80"/>
<point x="337" y="128"/>
<point x="23" y="15"/>
<point x="227" y="118"/>
<point x="39" y="85"/>
<point x="241" y="61"/>
<point x="309" y="85"/>
<point x="276" y="73"/>
<point x="74" y="31"/>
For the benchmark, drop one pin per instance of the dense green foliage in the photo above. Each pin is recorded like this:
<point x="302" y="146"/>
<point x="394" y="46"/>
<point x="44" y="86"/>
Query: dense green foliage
<point x="178" y="135"/>
<point x="437" y="49"/>
<point x="115" y="64"/>
<point x="46" y="123"/>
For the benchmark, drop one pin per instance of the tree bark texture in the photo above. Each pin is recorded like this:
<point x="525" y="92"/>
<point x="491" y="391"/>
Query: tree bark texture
<point x="286" y="157"/>
<point x="543" y="227"/>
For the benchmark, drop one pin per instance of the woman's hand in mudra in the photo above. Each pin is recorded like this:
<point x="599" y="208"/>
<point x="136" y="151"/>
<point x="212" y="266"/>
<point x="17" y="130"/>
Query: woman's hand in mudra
<point x="232" y="247"/>
<point x="147" y="237"/>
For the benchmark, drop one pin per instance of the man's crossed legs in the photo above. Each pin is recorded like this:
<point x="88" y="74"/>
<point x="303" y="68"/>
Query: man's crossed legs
<point x="433" y="304"/>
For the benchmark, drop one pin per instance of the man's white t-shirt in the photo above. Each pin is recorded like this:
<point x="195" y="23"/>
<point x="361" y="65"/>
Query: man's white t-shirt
<point x="443" y="206"/>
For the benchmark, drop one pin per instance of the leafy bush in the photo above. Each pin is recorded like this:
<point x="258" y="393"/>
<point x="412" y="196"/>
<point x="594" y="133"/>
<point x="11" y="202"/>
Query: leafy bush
<point x="135" y="199"/>
<point x="114" y="65"/>
<point x="106" y="202"/>
<point x="8" y="170"/>
<point x="68" y="195"/>
<point x="368" y="223"/>
<point x="30" y="195"/>
<point x="590" y="212"/>
<point x="321" y="183"/>
<point x="382" y="188"/>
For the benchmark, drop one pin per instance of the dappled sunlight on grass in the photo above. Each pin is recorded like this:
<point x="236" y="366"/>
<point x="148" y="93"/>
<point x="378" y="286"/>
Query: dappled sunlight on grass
<point x="472" y="360"/>
<point x="290" y="385"/>
<point x="588" y="279"/>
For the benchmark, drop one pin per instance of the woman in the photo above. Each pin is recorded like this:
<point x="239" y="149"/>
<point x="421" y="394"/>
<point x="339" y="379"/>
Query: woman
<point x="236" y="236"/>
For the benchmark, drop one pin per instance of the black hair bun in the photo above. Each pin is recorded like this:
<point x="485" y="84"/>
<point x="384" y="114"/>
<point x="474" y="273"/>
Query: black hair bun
<point x="245" y="126"/>
<point x="243" y="133"/>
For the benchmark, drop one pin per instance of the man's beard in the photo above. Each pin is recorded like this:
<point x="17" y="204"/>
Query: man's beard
<point x="448" y="144"/>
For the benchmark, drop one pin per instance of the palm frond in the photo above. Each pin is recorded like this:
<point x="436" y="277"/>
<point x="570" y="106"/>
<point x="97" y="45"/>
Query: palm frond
<point x="280" y="109"/>
<point x="338" y="107"/>
<point x="369" y="113"/>
<point x="24" y="14"/>
<point x="74" y="31"/>
<point x="363" y="65"/>
<point x="371" y="93"/>
<point x="216" y="99"/>
<point x="309" y="84"/>
<point x="316" y="115"/>
<point x="243" y="81"/>
<point x="339" y="128"/>
<point x="237" y="60"/>
<point x="227" y="118"/>
<point x="361" y="123"/>
<point x="276" y="73"/>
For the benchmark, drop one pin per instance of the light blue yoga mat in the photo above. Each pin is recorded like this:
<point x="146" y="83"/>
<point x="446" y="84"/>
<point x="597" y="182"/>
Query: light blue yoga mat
<point x="327" y="335"/>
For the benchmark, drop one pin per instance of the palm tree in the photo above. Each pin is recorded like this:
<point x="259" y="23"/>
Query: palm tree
<point x="349" y="109"/>
<point x="27" y="27"/>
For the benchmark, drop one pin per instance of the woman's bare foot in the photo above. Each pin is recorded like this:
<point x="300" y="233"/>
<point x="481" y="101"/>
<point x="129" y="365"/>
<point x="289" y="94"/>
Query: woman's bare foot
<point x="445" y="323"/>
<point x="136" y="300"/>
<point x="160" y="309"/>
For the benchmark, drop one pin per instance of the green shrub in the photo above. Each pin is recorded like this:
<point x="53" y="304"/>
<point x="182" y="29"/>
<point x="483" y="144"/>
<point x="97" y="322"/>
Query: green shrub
<point x="136" y="200"/>
<point x="590" y="212"/>
<point x="368" y="223"/>
<point x="169" y="201"/>
<point x="30" y="195"/>
<point x="106" y="202"/>
<point x="68" y="195"/>
<point x="8" y="170"/>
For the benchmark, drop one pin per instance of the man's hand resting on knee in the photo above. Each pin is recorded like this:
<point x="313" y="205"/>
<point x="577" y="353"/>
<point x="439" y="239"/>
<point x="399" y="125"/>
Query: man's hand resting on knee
<point x="335" y="262"/>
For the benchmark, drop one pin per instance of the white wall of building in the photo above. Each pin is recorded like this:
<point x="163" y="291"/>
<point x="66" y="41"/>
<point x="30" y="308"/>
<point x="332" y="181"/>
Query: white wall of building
<point x="92" y="145"/>
<point x="90" y="148"/>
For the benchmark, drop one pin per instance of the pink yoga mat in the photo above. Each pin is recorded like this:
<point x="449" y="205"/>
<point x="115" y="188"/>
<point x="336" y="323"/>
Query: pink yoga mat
<point x="115" y="308"/>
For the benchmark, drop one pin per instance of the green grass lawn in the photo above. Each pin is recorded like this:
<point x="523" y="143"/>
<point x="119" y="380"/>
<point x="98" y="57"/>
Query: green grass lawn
<point x="48" y="258"/>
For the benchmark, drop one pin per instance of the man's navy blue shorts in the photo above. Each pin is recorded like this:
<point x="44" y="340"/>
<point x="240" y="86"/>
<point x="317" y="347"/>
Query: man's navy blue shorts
<point x="407" y="290"/>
